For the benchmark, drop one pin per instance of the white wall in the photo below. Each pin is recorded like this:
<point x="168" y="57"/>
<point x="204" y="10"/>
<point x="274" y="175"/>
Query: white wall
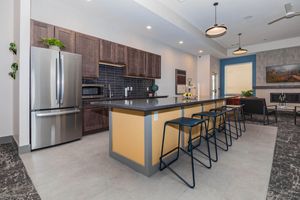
<point x="206" y="66"/>
<point x="21" y="85"/>
<point x="6" y="59"/>
<point x="203" y="73"/>
<point x="88" y="23"/>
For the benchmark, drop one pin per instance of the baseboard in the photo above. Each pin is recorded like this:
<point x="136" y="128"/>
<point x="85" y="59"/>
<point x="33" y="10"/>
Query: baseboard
<point x="6" y="139"/>
<point x="24" y="149"/>
<point x="10" y="139"/>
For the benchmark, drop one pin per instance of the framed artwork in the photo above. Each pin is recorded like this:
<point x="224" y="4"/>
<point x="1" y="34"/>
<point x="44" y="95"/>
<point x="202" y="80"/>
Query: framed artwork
<point x="180" y="81"/>
<point x="283" y="73"/>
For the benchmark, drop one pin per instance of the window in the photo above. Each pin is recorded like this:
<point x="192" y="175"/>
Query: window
<point x="238" y="77"/>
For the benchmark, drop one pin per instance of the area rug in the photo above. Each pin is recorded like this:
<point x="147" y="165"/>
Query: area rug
<point x="285" y="175"/>
<point x="15" y="183"/>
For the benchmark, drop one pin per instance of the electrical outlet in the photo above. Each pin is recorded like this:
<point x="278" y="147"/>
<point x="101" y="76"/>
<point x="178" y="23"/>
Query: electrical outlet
<point x="155" y="115"/>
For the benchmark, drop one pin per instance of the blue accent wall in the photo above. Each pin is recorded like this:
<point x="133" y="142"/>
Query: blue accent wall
<point x="232" y="61"/>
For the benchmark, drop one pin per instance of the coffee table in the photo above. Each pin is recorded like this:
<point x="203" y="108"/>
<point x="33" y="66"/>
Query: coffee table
<point x="295" y="110"/>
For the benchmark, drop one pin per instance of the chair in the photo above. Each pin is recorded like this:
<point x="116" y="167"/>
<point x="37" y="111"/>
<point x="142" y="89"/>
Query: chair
<point x="296" y="113"/>
<point x="181" y="123"/>
<point x="258" y="106"/>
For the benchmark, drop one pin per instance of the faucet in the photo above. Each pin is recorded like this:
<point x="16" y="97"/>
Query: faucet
<point x="109" y="91"/>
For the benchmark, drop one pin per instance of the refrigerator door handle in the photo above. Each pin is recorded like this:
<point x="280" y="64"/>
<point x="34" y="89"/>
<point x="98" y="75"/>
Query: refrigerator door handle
<point x="62" y="79"/>
<point x="58" y="113"/>
<point x="57" y="80"/>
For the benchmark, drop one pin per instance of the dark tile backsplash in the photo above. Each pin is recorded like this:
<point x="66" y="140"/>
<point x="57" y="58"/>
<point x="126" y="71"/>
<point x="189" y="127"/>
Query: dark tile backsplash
<point x="114" y="77"/>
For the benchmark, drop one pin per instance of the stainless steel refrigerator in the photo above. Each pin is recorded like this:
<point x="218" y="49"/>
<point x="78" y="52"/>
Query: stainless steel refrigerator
<point x="56" y="106"/>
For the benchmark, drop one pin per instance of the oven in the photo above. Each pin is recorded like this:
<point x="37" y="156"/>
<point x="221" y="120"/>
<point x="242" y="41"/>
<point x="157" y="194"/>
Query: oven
<point x="91" y="91"/>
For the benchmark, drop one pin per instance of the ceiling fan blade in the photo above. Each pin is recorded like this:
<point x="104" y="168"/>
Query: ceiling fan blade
<point x="276" y="20"/>
<point x="288" y="8"/>
<point x="297" y="14"/>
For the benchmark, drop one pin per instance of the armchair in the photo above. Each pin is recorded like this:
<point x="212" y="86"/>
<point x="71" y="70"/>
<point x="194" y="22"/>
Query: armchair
<point x="258" y="106"/>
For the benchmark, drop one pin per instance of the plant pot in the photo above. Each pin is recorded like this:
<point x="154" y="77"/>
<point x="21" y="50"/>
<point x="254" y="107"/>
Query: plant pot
<point x="54" y="47"/>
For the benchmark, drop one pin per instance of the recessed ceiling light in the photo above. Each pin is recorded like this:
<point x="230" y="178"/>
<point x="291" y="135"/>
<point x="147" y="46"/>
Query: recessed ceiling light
<point x="89" y="0"/>
<point x="200" y="51"/>
<point x="148" y="27"/>
<point x="180" y="42"/>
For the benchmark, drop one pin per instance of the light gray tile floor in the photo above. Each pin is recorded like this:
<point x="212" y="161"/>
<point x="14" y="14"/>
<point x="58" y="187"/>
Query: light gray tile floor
<point x="84" y="170"/>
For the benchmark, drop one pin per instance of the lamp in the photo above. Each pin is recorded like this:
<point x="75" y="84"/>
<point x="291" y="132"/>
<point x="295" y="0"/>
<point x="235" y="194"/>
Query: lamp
<point x="216" y="30"/>
<point x="240" y="51"/>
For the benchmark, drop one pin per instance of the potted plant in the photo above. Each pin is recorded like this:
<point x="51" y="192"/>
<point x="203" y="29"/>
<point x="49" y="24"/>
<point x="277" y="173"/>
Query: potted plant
<point x="14" y="66"/>
<point x="247" y="93"/>
<point x="53" y="43"/>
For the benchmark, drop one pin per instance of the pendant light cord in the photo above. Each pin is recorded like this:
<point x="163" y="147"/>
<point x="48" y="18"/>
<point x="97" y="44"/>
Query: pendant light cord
<point x="216" y="4"/>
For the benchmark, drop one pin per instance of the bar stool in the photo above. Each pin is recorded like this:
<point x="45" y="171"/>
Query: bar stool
<point x="181" y="122"/>
<point x="214" y="115"/>
<point x="232" y="111"/>
<point x="240" y="116"/>
<point x="226" y="120"/>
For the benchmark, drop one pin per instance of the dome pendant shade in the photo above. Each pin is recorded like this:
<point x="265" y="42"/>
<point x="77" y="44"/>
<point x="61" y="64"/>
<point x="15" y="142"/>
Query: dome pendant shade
<point x="240" y="51"/>
<point x="216" y="30"/>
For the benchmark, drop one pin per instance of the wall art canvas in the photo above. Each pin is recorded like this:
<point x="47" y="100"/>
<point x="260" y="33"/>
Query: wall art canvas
<point x="283" y="73"/>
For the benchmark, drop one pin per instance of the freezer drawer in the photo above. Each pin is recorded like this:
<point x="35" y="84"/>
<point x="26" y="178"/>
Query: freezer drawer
<point x="55" y="127"/>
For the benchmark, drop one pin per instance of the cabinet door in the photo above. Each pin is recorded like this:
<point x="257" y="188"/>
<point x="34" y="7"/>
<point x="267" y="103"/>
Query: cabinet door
<point x="95" y="120"/>
<point x="104" y="119"/>
<point x="153" y="65"/>
<point x="120" y="54"/>
<point x="88" y="47"/>
<point x="67" y="37"/>
<point x="157" y="66"/>
<point x="107" y="51"/>
<point x="135" y="63"/>
<point x="40" y="30"/>
<point x="91" y="120"/>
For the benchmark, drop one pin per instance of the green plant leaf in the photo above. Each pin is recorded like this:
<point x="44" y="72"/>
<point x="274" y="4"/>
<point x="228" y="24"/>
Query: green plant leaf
<point x="12" y="74"/>
<point x="53" y="42"/>
<point x="14" y="67"/>
<point x="13" y="48"/>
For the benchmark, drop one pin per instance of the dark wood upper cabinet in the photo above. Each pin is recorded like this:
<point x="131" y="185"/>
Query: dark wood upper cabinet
<point x="67" y="37"/>
<point x="107" y="51"/>
<point x="135" y="63"/>
<point x="40" y="30"/>
<point x="120" y="54"/>
<point x="153" y="65"/>
<point x="113" y="53"/>
<point x="88" y="47"/>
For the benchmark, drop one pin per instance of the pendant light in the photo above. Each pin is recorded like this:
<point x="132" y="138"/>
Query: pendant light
<point x="216" y="30"/>
<point x="240" y="51"/>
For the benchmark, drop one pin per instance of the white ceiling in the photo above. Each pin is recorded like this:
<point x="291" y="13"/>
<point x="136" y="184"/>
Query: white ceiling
<point x="173" y="20"/>
<point x="233" y="13"/>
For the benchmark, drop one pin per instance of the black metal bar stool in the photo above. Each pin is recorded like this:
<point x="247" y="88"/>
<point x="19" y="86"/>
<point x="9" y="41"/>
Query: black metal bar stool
<point x="181" y="122"/>
<point x="214" y="115"/>
<point x="240" y="116"/>
<point x="232" y="112"/>
<point x="225" y="120"/>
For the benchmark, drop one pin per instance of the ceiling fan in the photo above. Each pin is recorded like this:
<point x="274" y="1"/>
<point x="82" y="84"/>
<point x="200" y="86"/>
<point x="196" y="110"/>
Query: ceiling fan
<point x="289" y="13"/>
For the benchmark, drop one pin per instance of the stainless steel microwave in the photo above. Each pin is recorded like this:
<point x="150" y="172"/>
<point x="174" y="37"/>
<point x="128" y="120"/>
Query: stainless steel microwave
<point x="90" y="91"/>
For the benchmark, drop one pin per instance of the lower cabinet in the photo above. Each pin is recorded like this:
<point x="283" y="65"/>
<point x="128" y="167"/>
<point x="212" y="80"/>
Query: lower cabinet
<point x="95" y="119"/>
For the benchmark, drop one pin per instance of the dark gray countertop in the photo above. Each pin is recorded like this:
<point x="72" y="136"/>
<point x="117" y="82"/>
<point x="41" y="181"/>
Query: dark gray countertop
<point x="156" y="103"/>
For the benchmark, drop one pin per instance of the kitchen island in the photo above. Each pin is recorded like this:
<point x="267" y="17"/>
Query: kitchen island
<point x="136" y="127"/>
